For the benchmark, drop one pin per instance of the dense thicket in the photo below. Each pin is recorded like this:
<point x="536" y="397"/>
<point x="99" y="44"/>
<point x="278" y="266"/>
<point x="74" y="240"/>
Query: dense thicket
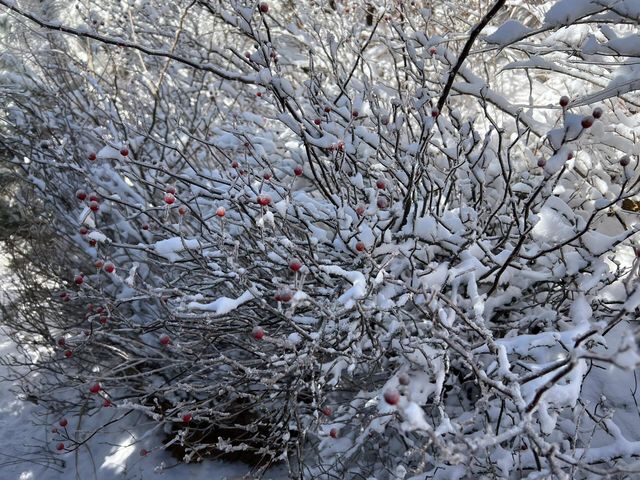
<point x="368" y="239"/>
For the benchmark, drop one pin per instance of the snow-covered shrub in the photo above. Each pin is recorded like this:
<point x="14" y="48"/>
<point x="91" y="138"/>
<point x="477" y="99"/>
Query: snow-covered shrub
<point x="356" y="238"/>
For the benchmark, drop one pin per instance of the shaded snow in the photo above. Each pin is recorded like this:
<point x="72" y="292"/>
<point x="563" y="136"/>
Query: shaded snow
<point x="114" y="454"/>
<point x="509" y="32"/>
<point x="170" y="247"/>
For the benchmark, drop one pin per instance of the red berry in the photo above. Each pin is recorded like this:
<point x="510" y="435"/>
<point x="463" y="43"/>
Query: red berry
<point x="381" y="184"/>
<point x="103" y="319"/>
<point x="266" y="176"/>
<point x="83" y="230"/>
<point x="60" y="446"/>
<point x="404" y="379"/>
<point x="92" y="156"/>
<point x="258" y="94"/>
<point x="541" y="162"/>
<point x="144" y="452"/>
<point x="597" y="112"/>
<point x="235" y="164"/>
<point x="93" y="243"/>
<point x="109" y="267"/>
<point x="170" y="189"/>
<point x="286" y="297"/>
<point x="99" y="264"/>
<point x="93" y="197"/>
<point x="264" y="7"/>
<point x="327" y="411"/>
<point x="295" y="266"/>
<point x="327" y="108"/>
<point x="569" y="155"/>
<point x="333" y="433"/>
<point x="564" y="101"/>
<point x="124" y="152"/>
<point x="435" y="112"/>
<point x="354" y="114"/>
<point x="165" y="339"/>
<point x="587" y="121"/>
<point x="624" y="161"/>
<point x="169" y="199"/>
<point x="283" y="296"/>
<point x="317" y="121"/>
<point x="182" y="210"/>
<point x="61" y="342"/>
<point x="264" y="200"/>
<point x="360" y="246"/>
<point x="95" y="388"/>
<point x="392" y="396"/>
<point x="145" y="226"/>
<point x="186" y="418"/>
<point x="257" y="333"/>
<point x="432" y="51"/>
<point x="360" y="210"/>
<point x="79" y="279"/>
<point x="106" y="403"/>
<point x="382" y="203"/>
<point x="220" y="212"/>
<point x="297" y="170"/>
<point x="94" y="206"/>
<point x="637" y="251"/>
<point x="341" y="146"/>
<point x="68" y="354"/>
<point x="81" y="194"/>
<point x="63" y="422"/>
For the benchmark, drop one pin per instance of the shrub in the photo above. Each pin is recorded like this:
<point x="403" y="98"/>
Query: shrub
<point x="299" y="213"/>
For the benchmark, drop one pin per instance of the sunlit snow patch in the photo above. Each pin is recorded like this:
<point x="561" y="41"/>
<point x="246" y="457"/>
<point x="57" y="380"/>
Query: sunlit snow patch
<point x="223" y="304"/>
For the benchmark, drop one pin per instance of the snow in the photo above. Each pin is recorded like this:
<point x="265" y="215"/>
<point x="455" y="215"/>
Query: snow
<point x="358" y="280"/>
<point x="170" y="247"/>
<point x="37" y="181"/>
<point x="97" y="236"/>
<point x="509" y="32"/>
<point x="222" y="305"/>
<point x="552" y="225"/>
<point x="414" y="418"/>
<point x="566" y="12"/>
<point x="226" y="140"/>
<point x="628" y="46"/>
<point x="86" y="218"/>
<point x="109" y="153"/>
<point x="294" y="338"/>
<point x="112" y="455"/>
<point x="511" y="317"/>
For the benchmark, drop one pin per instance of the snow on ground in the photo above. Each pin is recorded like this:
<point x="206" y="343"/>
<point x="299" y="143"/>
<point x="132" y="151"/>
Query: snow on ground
<point x="25" y="436"/>
<point x="28" y="447"/>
